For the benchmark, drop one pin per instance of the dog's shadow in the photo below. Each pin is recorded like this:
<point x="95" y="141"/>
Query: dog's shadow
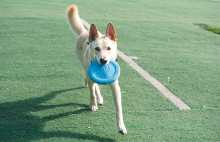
<point x="18" y="124"/>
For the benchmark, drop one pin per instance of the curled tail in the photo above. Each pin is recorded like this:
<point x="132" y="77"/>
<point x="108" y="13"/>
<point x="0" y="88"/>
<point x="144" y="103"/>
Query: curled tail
<point x="74" y="20"/>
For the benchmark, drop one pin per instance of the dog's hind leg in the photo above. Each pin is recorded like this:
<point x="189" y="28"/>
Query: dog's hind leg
<point x="86" y="82"/>
<point x="98" y="94"/>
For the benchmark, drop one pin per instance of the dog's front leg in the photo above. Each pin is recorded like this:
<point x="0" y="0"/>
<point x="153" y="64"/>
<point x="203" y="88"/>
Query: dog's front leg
<point x="93" y="104"/>
<point x="116" y="91"/>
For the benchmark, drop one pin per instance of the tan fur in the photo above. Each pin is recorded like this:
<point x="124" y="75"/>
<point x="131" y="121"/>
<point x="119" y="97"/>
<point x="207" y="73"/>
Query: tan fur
<point x="100" y="48"/>
<point x="110" y="29"/>
<point x="73" y="17"/>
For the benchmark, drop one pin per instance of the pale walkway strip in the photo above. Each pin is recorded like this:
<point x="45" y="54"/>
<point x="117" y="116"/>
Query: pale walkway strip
<point x="175" y="100"/>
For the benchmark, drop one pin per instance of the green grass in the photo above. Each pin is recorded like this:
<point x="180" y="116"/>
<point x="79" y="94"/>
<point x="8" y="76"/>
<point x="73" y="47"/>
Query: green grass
<point x="213" y="29"/>
<point x="42" y="93"/>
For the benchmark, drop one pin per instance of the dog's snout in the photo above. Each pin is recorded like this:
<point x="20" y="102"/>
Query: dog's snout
<point x="103" y="61"/>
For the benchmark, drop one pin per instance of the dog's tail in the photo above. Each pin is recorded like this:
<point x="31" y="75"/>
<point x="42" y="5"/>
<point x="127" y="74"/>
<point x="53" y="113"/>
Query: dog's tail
<point x="74" y="20"/>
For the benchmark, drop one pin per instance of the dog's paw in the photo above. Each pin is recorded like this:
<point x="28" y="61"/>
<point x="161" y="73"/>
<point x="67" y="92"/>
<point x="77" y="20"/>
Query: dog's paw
<point x="93" y="108"/>
<point x="100" y="101"/>
<point x="122" y="130"/>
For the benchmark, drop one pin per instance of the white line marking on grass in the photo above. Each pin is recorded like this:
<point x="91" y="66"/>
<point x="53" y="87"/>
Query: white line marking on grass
<point x="85" y="24"/>
<point x="133" y="57"/>
<point x="177" y="101"/>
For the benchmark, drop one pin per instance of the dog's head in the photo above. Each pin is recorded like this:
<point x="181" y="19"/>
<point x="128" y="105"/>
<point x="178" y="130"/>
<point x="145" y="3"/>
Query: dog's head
<point x="103" y="48"/>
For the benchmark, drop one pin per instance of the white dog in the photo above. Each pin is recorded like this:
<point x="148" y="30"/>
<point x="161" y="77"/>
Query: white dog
<point x="92" y="45"/>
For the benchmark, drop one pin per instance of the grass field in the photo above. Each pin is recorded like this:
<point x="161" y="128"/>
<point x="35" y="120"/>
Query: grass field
<point x="42" y="93"/>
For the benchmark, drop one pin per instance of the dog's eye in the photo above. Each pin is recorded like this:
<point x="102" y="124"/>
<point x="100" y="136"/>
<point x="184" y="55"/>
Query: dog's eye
<point x="97" y="49"/>
<point x="109" y="48"/>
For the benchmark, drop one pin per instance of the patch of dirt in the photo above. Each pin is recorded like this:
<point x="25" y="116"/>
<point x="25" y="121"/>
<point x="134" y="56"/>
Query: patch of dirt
<point x="202" y="26"/>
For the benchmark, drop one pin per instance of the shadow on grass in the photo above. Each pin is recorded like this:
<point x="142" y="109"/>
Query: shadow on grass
<point x="17" y="124"/>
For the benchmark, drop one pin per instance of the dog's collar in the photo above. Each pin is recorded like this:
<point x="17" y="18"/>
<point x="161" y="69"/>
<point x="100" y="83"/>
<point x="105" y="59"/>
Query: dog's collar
<point x="115" y="60"/>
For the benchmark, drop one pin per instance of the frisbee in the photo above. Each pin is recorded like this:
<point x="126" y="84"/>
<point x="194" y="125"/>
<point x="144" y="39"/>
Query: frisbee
<point x="104" y="74"/>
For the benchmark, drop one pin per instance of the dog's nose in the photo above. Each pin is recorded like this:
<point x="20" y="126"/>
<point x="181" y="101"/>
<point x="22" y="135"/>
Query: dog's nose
<point x="103" y="61"/>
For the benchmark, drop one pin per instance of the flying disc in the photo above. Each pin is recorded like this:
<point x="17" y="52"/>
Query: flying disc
<point x="104" y="74"/>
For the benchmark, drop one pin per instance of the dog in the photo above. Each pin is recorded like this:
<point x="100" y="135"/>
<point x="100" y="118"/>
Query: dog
<point x="92" y="45"/>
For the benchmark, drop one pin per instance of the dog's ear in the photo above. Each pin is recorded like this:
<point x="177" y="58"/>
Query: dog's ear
<point x="93" y="33"/>
<point x="110" y="32"/>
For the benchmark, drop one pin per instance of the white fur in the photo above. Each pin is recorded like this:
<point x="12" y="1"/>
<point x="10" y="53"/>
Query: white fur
<point x="100" y="47"/>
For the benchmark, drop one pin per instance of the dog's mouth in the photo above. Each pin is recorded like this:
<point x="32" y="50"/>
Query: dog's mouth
<point x="102" y="61"/>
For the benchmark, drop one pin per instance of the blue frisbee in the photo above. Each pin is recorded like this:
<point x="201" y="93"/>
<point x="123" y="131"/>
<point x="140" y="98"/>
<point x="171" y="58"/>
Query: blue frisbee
<point x="104" y="74"/>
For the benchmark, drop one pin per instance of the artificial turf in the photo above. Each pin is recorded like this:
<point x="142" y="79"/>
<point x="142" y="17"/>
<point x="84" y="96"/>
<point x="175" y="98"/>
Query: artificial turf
<point x="42" y="93"/>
